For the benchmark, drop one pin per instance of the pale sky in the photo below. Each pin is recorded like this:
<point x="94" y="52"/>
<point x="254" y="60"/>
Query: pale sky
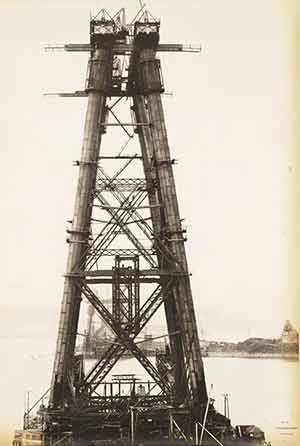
<point x="232" y="124"/>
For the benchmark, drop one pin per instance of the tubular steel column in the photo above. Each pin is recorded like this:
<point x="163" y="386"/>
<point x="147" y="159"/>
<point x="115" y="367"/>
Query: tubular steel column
<point x="148" y="75"/>
<point x="145" y="139"/>
<point x="61" y="388"/>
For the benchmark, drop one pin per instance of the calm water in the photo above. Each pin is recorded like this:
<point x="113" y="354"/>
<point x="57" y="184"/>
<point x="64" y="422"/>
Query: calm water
<point x="261" y="391"/>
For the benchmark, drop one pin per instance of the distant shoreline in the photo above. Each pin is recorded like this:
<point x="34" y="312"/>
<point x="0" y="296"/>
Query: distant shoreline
<point x="293" y="356"/>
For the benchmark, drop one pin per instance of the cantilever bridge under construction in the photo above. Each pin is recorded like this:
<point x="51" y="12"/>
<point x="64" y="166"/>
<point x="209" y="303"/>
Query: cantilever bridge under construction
<point x="126" y="234"/>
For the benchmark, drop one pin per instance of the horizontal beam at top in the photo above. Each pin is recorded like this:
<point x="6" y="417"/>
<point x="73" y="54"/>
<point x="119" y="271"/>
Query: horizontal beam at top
<point x="131" y="272"/>
<point x="84" y="94"/>
<point x="127" y="124"/>
<point x="119" y="157"/>
<point x="121" y="281"/>
<point x="122" y="272"/>
<point x="125" y="48"/>
<point x="127" y="272"/>
<point x="75" y="94"/>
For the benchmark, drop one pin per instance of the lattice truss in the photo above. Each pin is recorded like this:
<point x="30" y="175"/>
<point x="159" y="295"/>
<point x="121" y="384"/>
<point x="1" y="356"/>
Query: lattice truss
<point x="126" y="230"/>
<point x="121" y="227"/>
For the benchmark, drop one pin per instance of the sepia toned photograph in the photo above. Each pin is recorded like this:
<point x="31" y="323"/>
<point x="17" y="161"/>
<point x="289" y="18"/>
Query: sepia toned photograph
<point x="150" y="223"/>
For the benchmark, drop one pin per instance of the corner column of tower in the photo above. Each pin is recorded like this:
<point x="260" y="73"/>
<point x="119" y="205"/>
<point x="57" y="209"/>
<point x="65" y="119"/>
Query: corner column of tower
<point x="145" y="138"/>
<point x="169" y="207"/>
<point x="61" y="389"/>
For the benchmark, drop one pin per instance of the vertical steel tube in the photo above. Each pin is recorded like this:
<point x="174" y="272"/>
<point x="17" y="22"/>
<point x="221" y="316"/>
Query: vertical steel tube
<point x="148" y="75"/>
<point x="132" y="427"/>
<point x="61" y="387"/>
<point x="171" y="426"/>
<point x="158" y="223"/>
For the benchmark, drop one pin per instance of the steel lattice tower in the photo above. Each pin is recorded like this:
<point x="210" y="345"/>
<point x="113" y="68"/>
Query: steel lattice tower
<point x="126" y="234"/>
<point x="123" y="64"/>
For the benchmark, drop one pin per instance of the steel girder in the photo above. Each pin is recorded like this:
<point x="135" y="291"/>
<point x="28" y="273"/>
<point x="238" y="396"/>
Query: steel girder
<point x="125" y="337"/>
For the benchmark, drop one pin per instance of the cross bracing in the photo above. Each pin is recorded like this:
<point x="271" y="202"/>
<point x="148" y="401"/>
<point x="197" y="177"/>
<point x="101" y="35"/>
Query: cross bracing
<point x="126" y="231"/>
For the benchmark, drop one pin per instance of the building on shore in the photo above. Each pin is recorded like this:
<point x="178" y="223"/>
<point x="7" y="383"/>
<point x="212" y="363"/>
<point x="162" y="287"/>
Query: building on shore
<point x="289" y="334"/>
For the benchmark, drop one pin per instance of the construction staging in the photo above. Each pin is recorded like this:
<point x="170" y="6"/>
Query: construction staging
<point x="126" y="235"/>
